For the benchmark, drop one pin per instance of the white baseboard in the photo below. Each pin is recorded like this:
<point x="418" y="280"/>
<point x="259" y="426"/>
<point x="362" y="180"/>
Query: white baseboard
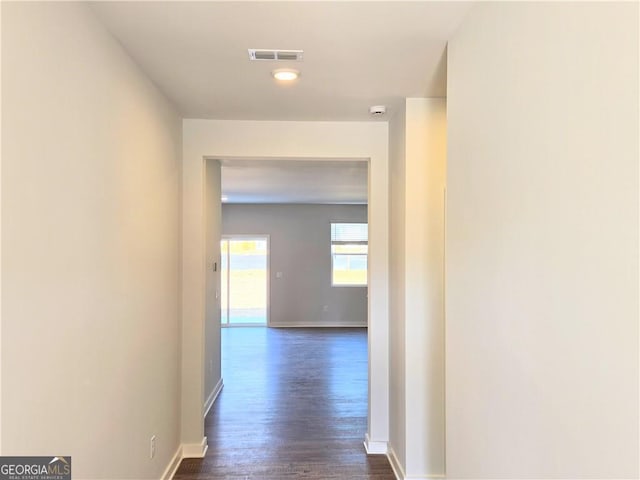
<point x="171" y="469"/>
<point x="395" y="464"/>
<point x="374" y="448"/>
<point x="212" y="398"/>
<point x="315" y="325"/>
<point x="195" y="450"/>
<point x="398" y="471"/>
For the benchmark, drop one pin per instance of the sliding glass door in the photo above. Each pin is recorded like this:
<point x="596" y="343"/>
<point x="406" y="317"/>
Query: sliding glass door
<point x="244" y="272"/>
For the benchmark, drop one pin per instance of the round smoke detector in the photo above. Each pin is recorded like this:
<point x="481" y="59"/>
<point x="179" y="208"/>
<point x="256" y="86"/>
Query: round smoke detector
<point x="377" y="110"/>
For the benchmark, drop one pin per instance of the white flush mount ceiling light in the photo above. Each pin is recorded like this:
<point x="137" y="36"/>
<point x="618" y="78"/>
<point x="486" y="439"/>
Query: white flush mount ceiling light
<point x="377" y="110"/>
<point x="285" y="74"/>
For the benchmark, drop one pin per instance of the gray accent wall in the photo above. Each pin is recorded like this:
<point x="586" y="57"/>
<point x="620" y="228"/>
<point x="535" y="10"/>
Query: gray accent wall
<point x="299" y="247"/>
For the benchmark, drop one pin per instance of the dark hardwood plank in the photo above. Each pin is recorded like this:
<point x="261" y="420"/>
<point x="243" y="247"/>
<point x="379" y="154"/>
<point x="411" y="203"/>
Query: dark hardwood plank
<point x="294" y="405"/>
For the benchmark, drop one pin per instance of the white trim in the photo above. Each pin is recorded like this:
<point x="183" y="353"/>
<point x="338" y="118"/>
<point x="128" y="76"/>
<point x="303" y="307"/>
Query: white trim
<point x="223" y="140"/>
<point x="243" y="325"/>
<point x="316" y="324"/>
<point x="212" y="398"/>
<point x="424" y="477"/>
<point x="195" y="450"/>
<point x="398" y="471"/>
<point x="171" y="469"/>
<point x="395" y="464"/>
<point x="374" y="448"/>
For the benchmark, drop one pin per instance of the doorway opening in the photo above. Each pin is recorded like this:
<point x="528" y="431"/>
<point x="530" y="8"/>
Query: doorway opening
<point x="258" y="202"/>
<point x="244" y="286"/>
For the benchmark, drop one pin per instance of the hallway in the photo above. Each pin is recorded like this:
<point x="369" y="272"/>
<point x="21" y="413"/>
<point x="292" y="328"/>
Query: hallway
<point x="294" y="405"/>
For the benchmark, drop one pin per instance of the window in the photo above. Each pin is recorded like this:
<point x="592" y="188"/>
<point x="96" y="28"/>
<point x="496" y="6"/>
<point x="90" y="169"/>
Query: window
<point x="349" y="248"/>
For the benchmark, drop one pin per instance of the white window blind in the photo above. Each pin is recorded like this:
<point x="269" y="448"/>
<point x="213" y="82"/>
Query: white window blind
<point x="357" y="233"/>
<point x="349" y="249"/>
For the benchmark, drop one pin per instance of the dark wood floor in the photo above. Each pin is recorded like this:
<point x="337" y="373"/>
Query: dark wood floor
<point x="294" y="405"/>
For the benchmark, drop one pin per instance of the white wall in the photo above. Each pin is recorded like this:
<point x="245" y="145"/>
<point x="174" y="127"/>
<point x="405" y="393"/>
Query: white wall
<point x="300" y="248"/>
<point x="542" y="242"/>
<point x="255" y="139"/>
<point x="424" y="281"/>
<point x="417" y="170"/>
<point x="397" y="259"/>
<point x="90" y="221"/>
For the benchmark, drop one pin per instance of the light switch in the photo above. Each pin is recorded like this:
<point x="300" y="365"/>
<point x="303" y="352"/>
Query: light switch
<point x="278" y="274"/>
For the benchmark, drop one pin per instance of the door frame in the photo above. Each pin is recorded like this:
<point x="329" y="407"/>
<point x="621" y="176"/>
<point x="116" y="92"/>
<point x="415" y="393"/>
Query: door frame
<point x="249" y="236"/>
<point x="205" y="143"/>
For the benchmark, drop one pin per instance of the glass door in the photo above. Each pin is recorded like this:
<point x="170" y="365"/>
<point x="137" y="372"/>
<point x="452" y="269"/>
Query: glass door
<point x="244" y="273"/>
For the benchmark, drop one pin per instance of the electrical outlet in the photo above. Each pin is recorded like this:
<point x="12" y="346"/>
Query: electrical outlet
<point x="152" y="451"/>
<point x="325" y="308"/>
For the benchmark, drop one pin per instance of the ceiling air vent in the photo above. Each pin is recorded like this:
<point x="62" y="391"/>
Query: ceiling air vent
<point x="275" y="55"/>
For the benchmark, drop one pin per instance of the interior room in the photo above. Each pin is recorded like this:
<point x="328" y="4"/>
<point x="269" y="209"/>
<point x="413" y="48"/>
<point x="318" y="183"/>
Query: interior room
<point x="313" y="215"/>
<point x="293" y="313"/>
<point x="495" y="146"/>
